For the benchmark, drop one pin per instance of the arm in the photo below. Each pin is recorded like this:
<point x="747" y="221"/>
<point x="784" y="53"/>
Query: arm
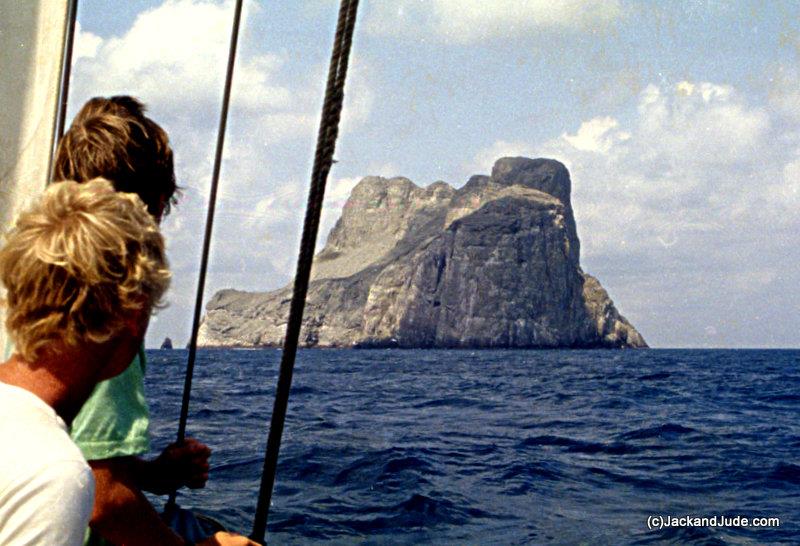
<point x="121" y="512"/>
<point x="123" y="515"/>
<point x="111" y="430"/>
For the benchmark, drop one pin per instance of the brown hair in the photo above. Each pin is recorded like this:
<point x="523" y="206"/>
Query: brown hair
<point x="113" y="139"/>
<point x="77" y="263"/>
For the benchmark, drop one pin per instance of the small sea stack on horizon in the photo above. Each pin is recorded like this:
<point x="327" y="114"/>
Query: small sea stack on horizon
<point x="493" y="264"/>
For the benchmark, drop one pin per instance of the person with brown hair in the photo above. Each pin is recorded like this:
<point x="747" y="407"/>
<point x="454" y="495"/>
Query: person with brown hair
<point x="82" y="269"/>
<point x="113" y="138"/>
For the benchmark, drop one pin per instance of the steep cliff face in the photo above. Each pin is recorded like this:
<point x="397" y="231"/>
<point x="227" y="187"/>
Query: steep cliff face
<point x="492" y="264"/>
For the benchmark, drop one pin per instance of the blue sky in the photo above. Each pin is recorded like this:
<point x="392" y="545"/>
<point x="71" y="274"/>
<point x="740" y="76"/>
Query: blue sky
<point x="679" y="121"/>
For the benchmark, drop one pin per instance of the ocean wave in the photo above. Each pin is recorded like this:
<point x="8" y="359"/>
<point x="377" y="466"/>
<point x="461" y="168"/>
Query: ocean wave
<point x="391" y="467"/>
<point x="658" y="376"/>
<point x="786" y="472"/>
<point x="416" y="511"/>
<point x="665" y="431"/>
<point x="580" y="446"/>
<point x="455" y="402"/>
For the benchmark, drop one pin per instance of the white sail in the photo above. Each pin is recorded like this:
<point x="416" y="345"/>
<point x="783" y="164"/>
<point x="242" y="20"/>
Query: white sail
<point x="31" y="52"/>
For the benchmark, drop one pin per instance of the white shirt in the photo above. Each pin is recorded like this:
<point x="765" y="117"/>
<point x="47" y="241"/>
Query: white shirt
<point x="46" y="487"/>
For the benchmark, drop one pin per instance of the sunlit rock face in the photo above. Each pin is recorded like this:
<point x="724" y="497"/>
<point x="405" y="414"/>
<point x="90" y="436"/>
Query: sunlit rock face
<point x="492" y="264"/>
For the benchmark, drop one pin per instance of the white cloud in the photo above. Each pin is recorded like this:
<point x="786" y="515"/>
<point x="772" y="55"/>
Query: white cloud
<point x="86" y="44"/>
<point x="504" y="17"/>
<point x="484" y="159"/>
<point x="284" y="203"/>
<point x="475" y="20"/>
<point x="701" y="123"/>
<point x="696" y="166"/>
<point x="596" y="135"/>
<point x="386" y="170"/>
<point x="359" y="99"/>
<point x="784" y="91"/>
<point x="176" y="54"/>
<point x="788" y="189"/>
<point x="338" y="192"/>
<point x="336" y="195"/>
<point x="174" y="58"/>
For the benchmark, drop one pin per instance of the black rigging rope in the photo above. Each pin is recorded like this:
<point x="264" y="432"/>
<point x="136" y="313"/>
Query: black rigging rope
<point x="212" y="202"/>
<point x="323" y="159"/>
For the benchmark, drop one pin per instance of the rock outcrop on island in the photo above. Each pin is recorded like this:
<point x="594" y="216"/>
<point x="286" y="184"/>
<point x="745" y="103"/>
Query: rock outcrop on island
<point x="494" y="263"/>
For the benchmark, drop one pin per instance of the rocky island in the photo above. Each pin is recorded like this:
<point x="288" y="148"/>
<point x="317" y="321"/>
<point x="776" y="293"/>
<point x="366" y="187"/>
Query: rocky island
<point x="494" y="263"/>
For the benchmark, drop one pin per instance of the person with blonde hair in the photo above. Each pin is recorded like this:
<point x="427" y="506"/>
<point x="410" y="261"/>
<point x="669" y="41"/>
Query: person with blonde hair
<point x="82" y="269"/>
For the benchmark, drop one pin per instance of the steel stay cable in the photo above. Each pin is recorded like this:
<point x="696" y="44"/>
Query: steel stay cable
<point x="323" y="160"/>
<point x="212" y="201"/>
<point x="63" y="92"/>
<point x="72" y="16"/>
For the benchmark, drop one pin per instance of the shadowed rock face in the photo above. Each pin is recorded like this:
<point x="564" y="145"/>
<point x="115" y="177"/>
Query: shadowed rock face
<point x="492" y="264"/>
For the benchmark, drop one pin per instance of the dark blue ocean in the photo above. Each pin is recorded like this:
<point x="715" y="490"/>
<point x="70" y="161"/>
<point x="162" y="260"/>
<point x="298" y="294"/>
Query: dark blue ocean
<point x="497" y="447"/>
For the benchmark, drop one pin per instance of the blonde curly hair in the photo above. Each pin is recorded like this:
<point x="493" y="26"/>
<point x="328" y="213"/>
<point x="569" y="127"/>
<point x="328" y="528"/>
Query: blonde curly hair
<point x="77" y="263"/>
